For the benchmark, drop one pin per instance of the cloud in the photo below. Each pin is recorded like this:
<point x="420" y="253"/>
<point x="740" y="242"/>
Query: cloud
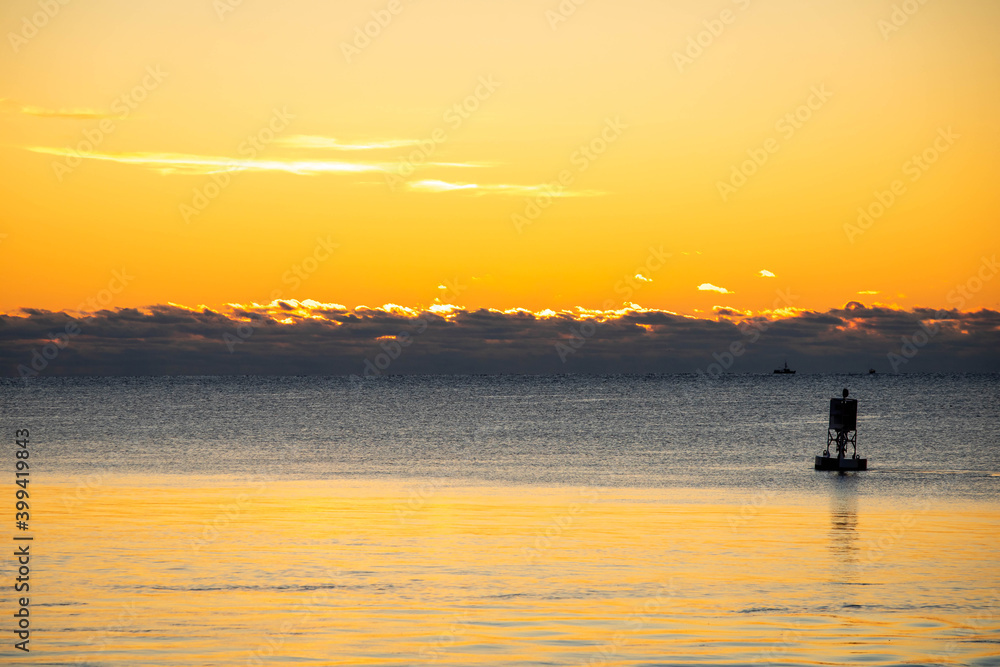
<point x="330" y="143"/>
<point x="287" y="337"/>
<point x="189" y="164"/>
<point x="709" y="287"/>
<point x="729" y="311"/>
<point x="11" y="107"/>
<point x="764" y="273"/>
<point x="643" y="278"/>
<point x="869" y="292"/>
<point x="501" y="189"/>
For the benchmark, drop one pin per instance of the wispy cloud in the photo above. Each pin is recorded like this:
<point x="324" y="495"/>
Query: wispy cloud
<point x="181" y="163"/>
<point x="12" y="107"/>
<point x="709" y="287"/>
<point x="764" y="273"/>
<point x="498" y="189"/>
<point x="870" y="292"/>
<point x="330" y="143"/>
<point x="188" y="164"/>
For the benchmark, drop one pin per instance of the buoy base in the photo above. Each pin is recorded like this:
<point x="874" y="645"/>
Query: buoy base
<point x="833" y="463"/>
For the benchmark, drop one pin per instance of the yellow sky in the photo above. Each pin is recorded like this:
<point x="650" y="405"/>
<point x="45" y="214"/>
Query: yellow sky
<point x="225" y="145"/>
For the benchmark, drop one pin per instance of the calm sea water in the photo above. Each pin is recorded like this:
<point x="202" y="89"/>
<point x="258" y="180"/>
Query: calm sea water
<point x="562" y="520"/>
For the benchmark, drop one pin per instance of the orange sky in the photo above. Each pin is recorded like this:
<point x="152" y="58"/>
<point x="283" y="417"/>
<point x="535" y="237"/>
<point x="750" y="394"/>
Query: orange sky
<point x="414" y="153"/>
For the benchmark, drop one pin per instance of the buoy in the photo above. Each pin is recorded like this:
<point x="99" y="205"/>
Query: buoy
<point x="843" y="431"/>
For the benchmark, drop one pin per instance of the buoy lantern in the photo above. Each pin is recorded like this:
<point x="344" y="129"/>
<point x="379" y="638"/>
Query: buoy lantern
<point x="843" y="431"/>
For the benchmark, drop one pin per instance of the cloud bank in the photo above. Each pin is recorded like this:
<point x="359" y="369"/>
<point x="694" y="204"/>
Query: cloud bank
<point x="313" y="338"/>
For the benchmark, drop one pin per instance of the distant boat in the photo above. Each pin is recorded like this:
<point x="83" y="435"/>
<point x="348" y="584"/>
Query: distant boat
<point x="871" y="371"/>
<point x="784" y="371"/>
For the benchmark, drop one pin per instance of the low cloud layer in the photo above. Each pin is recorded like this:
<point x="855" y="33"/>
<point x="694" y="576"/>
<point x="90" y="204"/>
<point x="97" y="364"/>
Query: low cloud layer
<point x="311" y="338"/>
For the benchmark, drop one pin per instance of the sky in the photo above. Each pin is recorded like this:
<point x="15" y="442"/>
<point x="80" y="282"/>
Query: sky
<point x="722" y="160"/>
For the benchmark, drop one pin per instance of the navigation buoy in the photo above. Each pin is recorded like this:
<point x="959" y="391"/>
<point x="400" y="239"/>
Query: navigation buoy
<point x="843" y="431"/>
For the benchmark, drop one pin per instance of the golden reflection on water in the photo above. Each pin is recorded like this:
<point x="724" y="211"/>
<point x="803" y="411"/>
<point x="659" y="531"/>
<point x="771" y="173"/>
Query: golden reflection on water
<point x="210" y="571"/>
<point x="844" y="523"/>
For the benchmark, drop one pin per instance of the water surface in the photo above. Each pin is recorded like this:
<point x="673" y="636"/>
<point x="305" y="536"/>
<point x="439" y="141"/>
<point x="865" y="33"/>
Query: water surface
<point x="508" y="521"/>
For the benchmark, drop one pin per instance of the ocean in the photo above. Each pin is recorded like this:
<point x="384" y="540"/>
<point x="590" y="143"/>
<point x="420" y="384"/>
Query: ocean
<point x="504" y="520"/>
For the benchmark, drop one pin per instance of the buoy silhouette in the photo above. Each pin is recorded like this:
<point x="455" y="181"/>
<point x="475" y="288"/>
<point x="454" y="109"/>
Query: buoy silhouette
<point x="842" y="431"/>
